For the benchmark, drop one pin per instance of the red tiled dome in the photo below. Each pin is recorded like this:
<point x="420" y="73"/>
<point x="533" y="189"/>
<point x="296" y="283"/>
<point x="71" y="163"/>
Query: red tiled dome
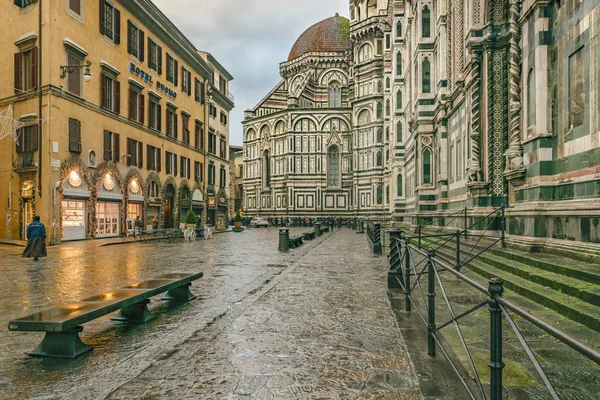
<point x="327" y="35"/>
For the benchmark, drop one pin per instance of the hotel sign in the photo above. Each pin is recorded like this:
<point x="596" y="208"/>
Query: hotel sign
<point x="146" y="77"/>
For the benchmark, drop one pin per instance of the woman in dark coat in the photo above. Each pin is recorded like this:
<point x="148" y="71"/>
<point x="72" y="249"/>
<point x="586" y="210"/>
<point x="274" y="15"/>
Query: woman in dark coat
<point x="36" y="240"/>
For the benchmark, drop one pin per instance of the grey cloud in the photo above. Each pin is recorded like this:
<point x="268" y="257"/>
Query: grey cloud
<point x="249" y="38"/>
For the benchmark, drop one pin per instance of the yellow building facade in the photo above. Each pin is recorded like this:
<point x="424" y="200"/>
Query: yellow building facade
<point x="118" y="130"/>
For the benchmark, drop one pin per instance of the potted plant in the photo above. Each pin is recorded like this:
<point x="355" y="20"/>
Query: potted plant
<point x="190" y="221"/>
<point x="237" y="220"/>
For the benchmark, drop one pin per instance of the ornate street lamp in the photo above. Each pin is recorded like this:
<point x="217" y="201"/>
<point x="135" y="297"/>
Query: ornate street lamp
<point x="67" y="69"/>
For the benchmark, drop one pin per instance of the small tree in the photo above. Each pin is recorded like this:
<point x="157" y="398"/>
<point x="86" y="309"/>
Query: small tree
<point x="191" y="218"/>
<point x="238" y="217"/>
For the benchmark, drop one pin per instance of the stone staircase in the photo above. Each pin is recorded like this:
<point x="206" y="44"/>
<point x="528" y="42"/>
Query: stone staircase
<point x="556" y="286"/>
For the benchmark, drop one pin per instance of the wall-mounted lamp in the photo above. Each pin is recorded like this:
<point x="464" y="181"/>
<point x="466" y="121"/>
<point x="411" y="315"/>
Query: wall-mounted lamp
<point x="67" y="69"/>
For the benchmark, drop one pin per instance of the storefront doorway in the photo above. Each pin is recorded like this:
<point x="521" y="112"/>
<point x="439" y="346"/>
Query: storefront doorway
<point x="108" y="208"/>
<point x="73" y="219"/>
<point x="27" y="216"/>
<point x="169" y="204"/>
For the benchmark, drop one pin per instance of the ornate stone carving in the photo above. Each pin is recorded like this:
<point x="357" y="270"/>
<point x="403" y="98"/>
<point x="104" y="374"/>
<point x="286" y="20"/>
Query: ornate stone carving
<point x="515" y="171"/>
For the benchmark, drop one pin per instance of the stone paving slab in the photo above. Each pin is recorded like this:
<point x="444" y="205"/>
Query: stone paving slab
<point x="314" y="323"/>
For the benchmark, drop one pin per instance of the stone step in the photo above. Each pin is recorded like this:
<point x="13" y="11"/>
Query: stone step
<point x="571" y="307"/>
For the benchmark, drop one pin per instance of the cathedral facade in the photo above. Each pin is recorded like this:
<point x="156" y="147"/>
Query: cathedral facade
<point x="413" y="109"/>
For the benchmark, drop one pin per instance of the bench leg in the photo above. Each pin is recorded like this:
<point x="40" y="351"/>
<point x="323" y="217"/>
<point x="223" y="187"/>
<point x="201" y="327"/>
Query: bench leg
<point x="61" y="344"/>
<point x="180" y="294"/>
<point x="135" y="314"/>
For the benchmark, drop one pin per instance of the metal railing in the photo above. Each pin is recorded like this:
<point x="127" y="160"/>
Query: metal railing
<point x="410" y="261"/>
<point x="25" y="160"/>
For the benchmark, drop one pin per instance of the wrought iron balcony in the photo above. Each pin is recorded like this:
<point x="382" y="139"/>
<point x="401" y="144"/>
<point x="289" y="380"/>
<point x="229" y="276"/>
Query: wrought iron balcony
<point x="25" y="162"/>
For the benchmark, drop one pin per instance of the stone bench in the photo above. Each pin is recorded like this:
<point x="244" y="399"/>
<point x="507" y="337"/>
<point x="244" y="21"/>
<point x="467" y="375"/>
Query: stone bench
<point x="296" y="242"/>
<point x="309" y="235"/>
<point x="62" y="324"/>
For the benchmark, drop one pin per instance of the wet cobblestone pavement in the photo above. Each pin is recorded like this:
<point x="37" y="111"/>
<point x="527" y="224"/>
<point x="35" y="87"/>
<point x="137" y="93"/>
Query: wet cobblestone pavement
<point x="314" y="323"/>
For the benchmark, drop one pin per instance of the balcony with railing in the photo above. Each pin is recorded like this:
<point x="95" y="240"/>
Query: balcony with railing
<point x="25" y="162"/>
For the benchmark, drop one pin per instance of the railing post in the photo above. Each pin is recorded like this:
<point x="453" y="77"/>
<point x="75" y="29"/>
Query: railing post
<point x="419" y="236"/>
<point x="466" y="223"/>
<point x="503" y="227"/>
<point x="407" y="274"/>
<point x="395" y="272"/>
<point x="496" y="365"/>
<point x="377" y="249"/>
<point x="458" y="250"/>
<point x="431" y="302"/>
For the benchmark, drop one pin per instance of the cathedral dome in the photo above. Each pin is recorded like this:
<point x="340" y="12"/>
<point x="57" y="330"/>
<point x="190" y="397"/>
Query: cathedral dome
<point x="331" y="34"/>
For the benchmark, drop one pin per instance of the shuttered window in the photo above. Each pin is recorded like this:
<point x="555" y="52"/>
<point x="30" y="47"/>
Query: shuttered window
<point x="74" y="135"/>
<point x="136" y="105"/>
<point x="110" y="92"/>
<point x="26" y="70"/>
<point x="110" y="21"/>
<point x="155" y="114"/>
<point x="172" y="70"/>
<point x="154" y="56"/>
<point x="28" y="139"/>
<point x="135" y="149"/>
<point x="111" y="146"/>
<point x="135" y="41"/>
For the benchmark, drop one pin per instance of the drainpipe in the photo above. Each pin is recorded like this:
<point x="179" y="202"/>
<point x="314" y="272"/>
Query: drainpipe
<point x="40" y="125"/>
<point x="56" y="187"/>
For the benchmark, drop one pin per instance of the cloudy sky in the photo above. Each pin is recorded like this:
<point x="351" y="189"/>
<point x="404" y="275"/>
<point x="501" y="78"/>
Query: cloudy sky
<point x="249" y="38"/>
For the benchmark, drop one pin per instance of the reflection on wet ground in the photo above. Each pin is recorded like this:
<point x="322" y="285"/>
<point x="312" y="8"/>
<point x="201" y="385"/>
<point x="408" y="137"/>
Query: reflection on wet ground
<point x="311" y="323"/>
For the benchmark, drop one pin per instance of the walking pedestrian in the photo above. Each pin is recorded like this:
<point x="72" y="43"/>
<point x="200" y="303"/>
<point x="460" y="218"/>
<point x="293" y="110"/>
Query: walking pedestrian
<point x="36" y="240"/>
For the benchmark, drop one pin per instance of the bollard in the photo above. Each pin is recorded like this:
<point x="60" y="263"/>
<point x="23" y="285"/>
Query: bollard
<point x="284" y="239"/>
<point x="496" y="365"/>
<point x="407" y="274"/>
<point x="431" y="302"/>
<point x="458" y="250"/>
<point x="395" y="272"/>
<point x="318" y="229"/>
<point x="377" y="249"/>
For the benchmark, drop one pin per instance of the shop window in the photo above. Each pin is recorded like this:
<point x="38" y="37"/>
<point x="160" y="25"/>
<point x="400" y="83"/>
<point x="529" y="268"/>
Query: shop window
<point x="111" y="146"/>
<point x="110" y="21"/>
<point x="137" y="103"/>
<point x="427" y="167"/>
<point x="111" y="93"/>
<point x="135" y="150"/>
<point x="426" y="22"/>
<point x="135" y="41"/>
<point x="74" y="136"/>
<point x="172" y="70"/>
<point x="155" y="114"/>
<point x="154" y="56"/>
<point x="171" y="123"/>
<point x="26" y="70"/>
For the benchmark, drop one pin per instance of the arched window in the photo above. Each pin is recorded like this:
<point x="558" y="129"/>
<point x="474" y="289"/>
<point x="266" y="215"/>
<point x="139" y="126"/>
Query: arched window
<point x="399" y="29"/>
<point x="399" y="64"/>
<point x="379" y="87"/>
<point x="426" y="22"/>
<point x="379" y="110"/>
<point x="379" y="159"/>
<point x="387" y="83"/>
<point x="379" y="194"/>
<point x="427" y="167"/>
<point x="399" y="185"/>
<point x="266" y="170"/>
<point x="335" y="95"/>
<point x="365" y="53"/>
<point x="379" y="135"/>
<point x="399" y="132"/>
<point x="531" y="98"/>
<point x="333" y="165"/>
<point x="387" y="107"/>
<point x="426" y="75"/>
<point x="399" y="100"/>
<point x="387" y="133"/>
<point x="387" y="194"/>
